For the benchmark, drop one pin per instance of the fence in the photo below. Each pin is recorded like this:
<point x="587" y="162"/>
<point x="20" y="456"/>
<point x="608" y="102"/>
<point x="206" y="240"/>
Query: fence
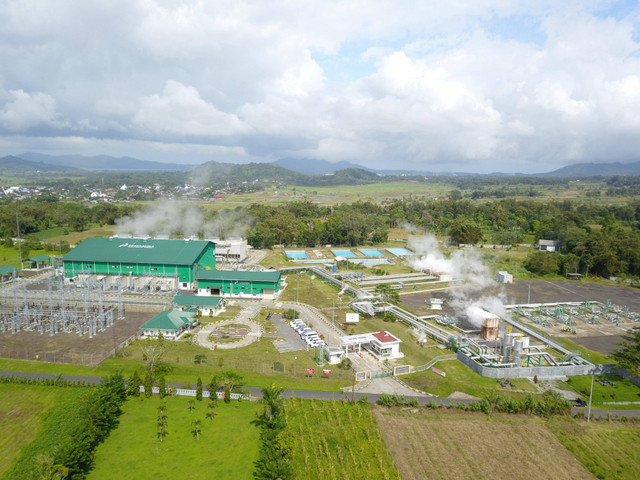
<point x="530" y="372"/>
<point x="185" y="392"/>
<point x="421" y="368"/>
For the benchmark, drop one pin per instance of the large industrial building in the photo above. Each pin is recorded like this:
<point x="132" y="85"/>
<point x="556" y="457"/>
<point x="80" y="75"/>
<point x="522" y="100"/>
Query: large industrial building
<point x="164" y="264"/>
<point x="139" y="257"/>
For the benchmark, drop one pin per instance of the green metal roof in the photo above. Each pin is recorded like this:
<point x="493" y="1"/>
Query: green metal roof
<point x="233" y="276"/>
<point x="137" y="250"/>
<point x="39" y="258"/>
<point x="196" y="300"/>
<point x="7" y="270"/>
<point x="170" y="320"/>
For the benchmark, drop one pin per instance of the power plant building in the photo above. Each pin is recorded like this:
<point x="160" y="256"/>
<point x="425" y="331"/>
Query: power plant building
<point x="141" y="257"/>
<point x="190" y="263"/>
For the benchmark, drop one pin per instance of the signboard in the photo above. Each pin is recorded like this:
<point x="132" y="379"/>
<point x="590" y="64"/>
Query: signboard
<point x="353" y="317"/>
<point x="310" y="371"/>
<point x="326" y="372"/>
<point x="439" y="372"/>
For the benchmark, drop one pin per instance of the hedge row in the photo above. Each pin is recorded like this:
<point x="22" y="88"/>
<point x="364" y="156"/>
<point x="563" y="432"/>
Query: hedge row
<point x="58" y="381"/>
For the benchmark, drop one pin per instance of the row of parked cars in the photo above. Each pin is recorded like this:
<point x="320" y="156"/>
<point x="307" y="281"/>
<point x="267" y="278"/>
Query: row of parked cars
<point x="306" y="333"/>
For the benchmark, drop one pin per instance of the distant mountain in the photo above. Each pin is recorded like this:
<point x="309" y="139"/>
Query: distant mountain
<point x="594" y="169"/>
<point x="104" y="162"/>
<point x="12" y="165"/>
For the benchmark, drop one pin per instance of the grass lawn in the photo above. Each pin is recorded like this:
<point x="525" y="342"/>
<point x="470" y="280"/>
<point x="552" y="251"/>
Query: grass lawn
<point x="624" y="391"/>
<point x="94" y="230"/>
<point x="21" y="410"/>
<point x="227" y="448"/>
<point x="462" y="379"/>
<point x="607" y="450"/>
<point x="231" y="312"/>
<point x="254" y="362"/>
<point x="336" y="440"/>
<point x="316" y="292"/>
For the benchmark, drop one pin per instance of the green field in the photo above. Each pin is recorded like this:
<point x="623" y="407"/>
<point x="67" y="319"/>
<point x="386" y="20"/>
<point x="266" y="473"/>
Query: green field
<point x="607" y="450"/>
<point x="336" y="440"/>
<point x="21" y="410"/>
<point x="624" y="391"/>
<point x="227" y="448"/>
<point x="462" y="379"/>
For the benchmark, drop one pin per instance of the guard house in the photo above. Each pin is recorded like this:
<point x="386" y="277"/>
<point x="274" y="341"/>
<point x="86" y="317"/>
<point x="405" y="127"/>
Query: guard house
<point x="383" y="345"/>
<point x="141" y="257"/>
<point x="549" y="245"/>
<point x="171" y="324"/>
<point x="238" y="284"/>
<point x="210" y="306"/>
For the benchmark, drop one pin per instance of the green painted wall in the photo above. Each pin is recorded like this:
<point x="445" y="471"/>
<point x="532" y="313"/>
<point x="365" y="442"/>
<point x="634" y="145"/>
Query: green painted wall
<point x="234" y="288"/>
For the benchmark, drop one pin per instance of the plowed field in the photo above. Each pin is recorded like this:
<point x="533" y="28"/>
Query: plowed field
<point x="450" y="445"/>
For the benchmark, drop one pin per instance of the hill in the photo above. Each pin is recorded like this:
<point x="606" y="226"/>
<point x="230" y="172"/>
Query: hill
<point x="11" y="165"/>
<point x="594" y="169"/>
<point x="212" y="173"/>
<point x="312" y="166"/>
<point x="104" y="162"/>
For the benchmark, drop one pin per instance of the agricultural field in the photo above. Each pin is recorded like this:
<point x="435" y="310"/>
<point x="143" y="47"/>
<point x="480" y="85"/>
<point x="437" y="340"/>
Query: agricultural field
<point x="449" y="444"/>
<point x="607" y="450"/>
<point x="336" y="441"/>
<point x="21" y="410"/>
<point x="227" y="448"/>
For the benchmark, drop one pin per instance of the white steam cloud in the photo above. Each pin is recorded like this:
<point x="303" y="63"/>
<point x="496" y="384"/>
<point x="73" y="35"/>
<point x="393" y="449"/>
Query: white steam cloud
<point x="173" y="218"/>
<point x="466" y="266"/>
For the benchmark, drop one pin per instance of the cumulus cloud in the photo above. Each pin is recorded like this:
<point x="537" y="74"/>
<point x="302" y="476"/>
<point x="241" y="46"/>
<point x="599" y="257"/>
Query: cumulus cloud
<point x="481" y="86"/>
<point x="25" y="110"/>
<point x="180" y="110"/>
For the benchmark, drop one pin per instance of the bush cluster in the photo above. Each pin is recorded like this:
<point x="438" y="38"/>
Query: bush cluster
<point x="396" y="400"/>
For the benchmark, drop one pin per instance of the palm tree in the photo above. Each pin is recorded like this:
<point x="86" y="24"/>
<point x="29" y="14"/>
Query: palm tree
<point x="273" y="404"/>
<point x="195" y="429"/>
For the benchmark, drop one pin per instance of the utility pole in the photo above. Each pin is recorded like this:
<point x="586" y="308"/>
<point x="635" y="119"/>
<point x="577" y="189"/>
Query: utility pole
<point x="19" y="245"/>
<point x="590" y="395"/>
<point x="353" y="387"/>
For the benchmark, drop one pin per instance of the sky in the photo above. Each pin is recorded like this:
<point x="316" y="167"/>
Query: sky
<point x="471" y="86"/>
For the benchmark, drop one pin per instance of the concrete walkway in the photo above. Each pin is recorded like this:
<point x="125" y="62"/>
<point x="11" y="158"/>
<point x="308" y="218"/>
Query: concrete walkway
<point x="245" y="316"/>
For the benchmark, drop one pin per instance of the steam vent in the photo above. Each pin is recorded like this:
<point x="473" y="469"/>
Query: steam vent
<point x="490" y="328"/>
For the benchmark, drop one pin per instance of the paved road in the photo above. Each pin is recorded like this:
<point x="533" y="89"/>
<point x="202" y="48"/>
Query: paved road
<point x="322" y="395"/>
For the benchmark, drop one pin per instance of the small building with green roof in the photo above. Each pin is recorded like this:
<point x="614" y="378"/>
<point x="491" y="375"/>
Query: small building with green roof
<point x="171" y="324"/>
<point x="238" y="284"/>
<point x="210" y="306"/>
<point x="38" y="262"/>
<point x="7" y="273"/>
